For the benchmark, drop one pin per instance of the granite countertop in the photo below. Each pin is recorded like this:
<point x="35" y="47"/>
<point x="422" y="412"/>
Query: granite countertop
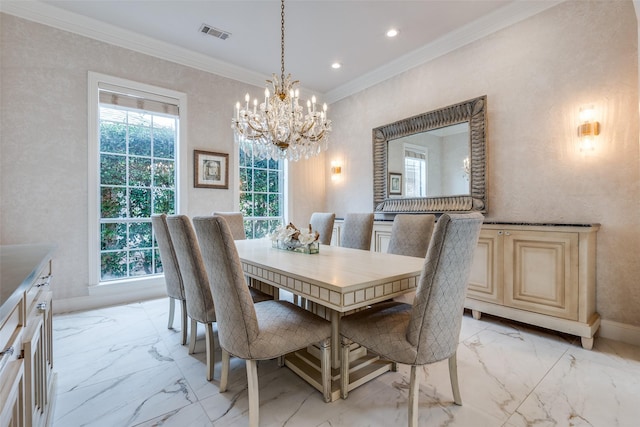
<point x="19" y="265"/>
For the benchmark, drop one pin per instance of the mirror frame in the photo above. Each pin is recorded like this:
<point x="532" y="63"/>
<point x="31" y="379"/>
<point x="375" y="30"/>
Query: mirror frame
<point x="472" y="111"/>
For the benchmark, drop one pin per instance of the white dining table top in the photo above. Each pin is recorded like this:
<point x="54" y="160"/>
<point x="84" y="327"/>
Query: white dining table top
<point x="339" y="278"/>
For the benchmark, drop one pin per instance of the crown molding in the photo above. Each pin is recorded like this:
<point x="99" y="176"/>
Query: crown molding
<point x="61" y="19"/>
<point x="49" y="15"/>
<point x="491" y="23"/>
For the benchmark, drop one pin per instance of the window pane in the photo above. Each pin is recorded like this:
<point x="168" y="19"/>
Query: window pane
<point x="164" y="201"/>
<point x="140" y="235"/>
<point x="140" y="203"/>
<point x="246" y="179"/>
<point x="113" y="202"/>
<point x="113" y="137"/>
<point x="273" y="181"/>
<point x="260" y="180"/>
<point x="113" y="170"/>
<point x="140" y="140"/>
<point x="246" y="204"/>
<point x="164" y="142"/>
<point x="114" y="265"/>
<point x="274" y="204"/>
<point x="261" y="228"/>
<point x="260" y="205"/>
<point x="158" y="261"/>
<point x="113" y="236"/>
<point x="163" y="173"/>
<point x="140" y="263"/>
<point x="139" y="172"/>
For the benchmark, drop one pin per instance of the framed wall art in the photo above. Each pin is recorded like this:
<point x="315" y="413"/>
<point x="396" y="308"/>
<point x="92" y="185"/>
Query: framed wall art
<point x="395" y="183"/>
<point x="211" y="170"/>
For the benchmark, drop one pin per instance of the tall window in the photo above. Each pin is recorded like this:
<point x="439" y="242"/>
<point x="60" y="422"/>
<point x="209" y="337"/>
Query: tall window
<point x="261" y="194"/>
<point x="415" y="168"/>
<point x="138" y="136"/>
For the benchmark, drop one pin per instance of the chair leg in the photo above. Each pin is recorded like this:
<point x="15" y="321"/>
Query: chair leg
<point x="172" y="310"/>
<point x="184" y="322"/>
<point x="224" y="375"/>
<point x="414" y="388"/>
<point x="344" y="368"/>
<point x="325" y="366"/>
<point x="453" y="374"/>
<point x="211" y="350"/>
<point x="254" y="398"/>
<point x="192" y="339"/>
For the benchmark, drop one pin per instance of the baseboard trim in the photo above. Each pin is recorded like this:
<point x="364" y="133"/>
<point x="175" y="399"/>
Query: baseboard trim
<point x="620" y="332"/>
<point x="107" y="296"/>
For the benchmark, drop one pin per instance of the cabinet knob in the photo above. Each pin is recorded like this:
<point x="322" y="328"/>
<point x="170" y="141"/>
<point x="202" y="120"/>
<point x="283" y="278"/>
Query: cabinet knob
<point x="42" y="306"/>
<point x="506" y="233"/>
<point x="500" y="233"/>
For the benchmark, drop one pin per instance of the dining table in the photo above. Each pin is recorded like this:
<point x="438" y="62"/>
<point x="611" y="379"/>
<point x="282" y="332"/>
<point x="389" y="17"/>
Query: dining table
<point x="334" y="282"/>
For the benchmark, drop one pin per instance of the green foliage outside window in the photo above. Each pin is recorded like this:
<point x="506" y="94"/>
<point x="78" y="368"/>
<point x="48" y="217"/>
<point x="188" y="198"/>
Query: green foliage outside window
<point x="137" y="179"/>
<point x="261" y="194"/>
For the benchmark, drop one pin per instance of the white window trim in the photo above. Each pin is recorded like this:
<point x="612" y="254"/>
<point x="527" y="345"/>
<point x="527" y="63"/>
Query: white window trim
<point x="96" y="79"/>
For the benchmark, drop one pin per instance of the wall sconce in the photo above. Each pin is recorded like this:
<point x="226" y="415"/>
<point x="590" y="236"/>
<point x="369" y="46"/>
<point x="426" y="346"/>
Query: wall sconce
<point x="588" y="129"/>
<point x="336" y="171"/>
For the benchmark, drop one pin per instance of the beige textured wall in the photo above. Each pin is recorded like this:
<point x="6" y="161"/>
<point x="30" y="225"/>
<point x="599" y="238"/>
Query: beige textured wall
<point x="536" y="75"/>
<point x="43" y="141"/>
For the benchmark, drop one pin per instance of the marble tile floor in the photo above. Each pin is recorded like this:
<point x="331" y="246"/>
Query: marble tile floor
<point x="121" y="366"/>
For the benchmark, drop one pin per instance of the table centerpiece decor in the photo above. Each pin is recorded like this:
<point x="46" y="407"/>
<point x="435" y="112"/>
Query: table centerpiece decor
<point x="291" y="238"/>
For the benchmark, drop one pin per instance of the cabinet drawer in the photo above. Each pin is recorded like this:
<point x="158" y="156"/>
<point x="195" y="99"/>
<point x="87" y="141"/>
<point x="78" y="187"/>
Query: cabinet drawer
<point x="9" y="338"/>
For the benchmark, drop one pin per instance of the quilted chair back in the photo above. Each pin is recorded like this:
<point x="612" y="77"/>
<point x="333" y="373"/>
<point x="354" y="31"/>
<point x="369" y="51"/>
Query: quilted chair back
<point x="230" y="290"/>
<point x="437" y="309"/>
<point x="322" y="222"/>
<point x="172" y="277"/>
<point x="356" y="231"/>
<point x="411" y="234"/>
<point x="235" y="220"/>
<point x="196" y="283"/>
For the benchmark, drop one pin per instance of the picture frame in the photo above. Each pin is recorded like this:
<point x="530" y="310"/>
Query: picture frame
<point x="395" y="184"/>
<point x="210" y="170"/>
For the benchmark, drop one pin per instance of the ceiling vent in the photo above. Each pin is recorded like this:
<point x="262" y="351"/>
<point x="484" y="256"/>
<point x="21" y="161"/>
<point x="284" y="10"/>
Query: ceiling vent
<point x="215" y="32"/>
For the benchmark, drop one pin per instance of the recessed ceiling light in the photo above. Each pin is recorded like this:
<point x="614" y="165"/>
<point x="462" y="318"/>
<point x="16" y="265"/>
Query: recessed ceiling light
<point x="336" y="65"/>
<point x="392" y="33"/>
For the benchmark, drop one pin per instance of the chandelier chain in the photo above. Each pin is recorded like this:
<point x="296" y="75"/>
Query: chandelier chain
<point x="282" y="42"/>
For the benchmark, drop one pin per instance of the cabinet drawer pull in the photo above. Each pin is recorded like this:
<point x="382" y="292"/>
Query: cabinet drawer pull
<point x="4" y="356"/>
<point x="42" y="306"/>
<point x="44" y="281"/>
<point x="8" y="350"/>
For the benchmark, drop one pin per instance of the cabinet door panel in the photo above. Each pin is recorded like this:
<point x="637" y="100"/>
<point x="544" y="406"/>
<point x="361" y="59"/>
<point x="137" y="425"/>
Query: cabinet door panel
<point x="485" y="280"/>
<point x="542" y="274"/>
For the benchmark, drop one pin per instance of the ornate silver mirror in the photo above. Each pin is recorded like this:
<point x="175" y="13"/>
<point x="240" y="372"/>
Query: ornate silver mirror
<point x="433" y="162"/>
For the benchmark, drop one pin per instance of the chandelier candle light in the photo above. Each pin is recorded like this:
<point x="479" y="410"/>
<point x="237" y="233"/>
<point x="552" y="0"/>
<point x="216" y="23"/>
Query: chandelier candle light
<point x="280" y="128"/>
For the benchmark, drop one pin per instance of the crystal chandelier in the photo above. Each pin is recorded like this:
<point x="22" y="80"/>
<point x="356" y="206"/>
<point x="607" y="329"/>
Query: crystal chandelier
<point x="280" y="128"/>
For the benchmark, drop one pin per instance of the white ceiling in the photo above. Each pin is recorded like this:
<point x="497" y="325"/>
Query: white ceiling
<point x="317" y="34"/>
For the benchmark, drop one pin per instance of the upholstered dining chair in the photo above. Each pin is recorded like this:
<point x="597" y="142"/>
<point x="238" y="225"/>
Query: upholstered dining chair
<point x="356" y="231"/>
<point x="200" y="303"/>
<point x="267" y="330"/>
<point x="235" y="220"/>
<point x="322" y="222"/>
<point x="428" y="331"/>
<point x="410" y="236"/>
<point x="172" y="276"/>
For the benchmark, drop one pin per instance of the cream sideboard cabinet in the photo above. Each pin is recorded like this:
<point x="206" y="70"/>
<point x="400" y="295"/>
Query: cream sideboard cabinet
<point x="540" y="274"/>
<point x="543" y="275"/>
<point x="26" y="342"/>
